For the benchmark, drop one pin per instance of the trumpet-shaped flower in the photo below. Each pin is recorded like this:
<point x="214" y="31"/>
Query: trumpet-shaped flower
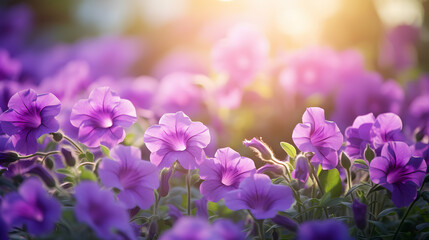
<point x="31" y="206"/>
<point x="317" y="135"/>
<point x="133" y="177"/>
<point x="387" y="127"/>
<point x="30" y="115"/>
<point x="98" y="209"/>
<point x="323" y="230"/>
<point x="223" y="173"/>
<point x="257" y="194"/>
<point x="358" y="135"/>
<point x="102" y="117"/>
<point x="177" y="138"/>
<point x="399" y="172"/>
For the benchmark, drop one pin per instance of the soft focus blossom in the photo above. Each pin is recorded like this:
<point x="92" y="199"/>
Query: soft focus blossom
<point x="179" y="61"/>
<point x="29" y="167"/>
<point x="30" y="115"/>
<point x="422" y="150"/>
<point x="285" y="222"/>
<point x="31" y="206"/>
<point x="358" y="136"/>
<point x="9" y="68"/>
<point x="178" y="92"/>
<point x="174" y="212"/>
<point x="177" y="138"/>
<point x="191" y="228"/>
<point x="223" y="173"/>
<point x="359" y="214"/>
<point x="398" y="50"/>
<point x="98" y="209"/>
<point x="317" y="135"/>
<point x="241" y="54"/>
<point x="257" y="194"/>
<point x="140" y="91"/>
<point x="135" y="178"/>
<point x="387" y="127"/>
<point x="419" y="114"/>
<point x="365" y="93"/>
<point x="323" y="230"/>
<point x="102" y="117"/>
<point x="302" y="170"/>
<point x="399" y="172"/>
<point x="201" y="205"/>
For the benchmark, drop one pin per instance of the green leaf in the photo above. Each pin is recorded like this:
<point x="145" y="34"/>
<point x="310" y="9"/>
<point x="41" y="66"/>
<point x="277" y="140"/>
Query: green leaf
<point x="64" y="172"/>
<point x="87" y="175"/>
<point x="289" y="149"/>
<point x="331" y="182"/>
<point x="422" y="226"/>
<point x="386" y="212"/>
<point x="105" y="150"/>
<point x="89" y="156"/>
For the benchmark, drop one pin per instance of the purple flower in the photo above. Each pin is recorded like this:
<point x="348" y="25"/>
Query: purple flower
<point x="177" y="138"/>
<point x="174" y="212"/>
<point x="135" y="178"/>
<point x="285" y="222"/>
<point x="201" y="205"/>
<point x="30" y="115"/>
<point x="241" y="54"/>
<point x="31" y="206"/>
<point x="317" y="135"/>
<point x="422" y="150"/>
<point x="323" y="230"/>
<point x="98" y="209"/>
<point x="257" y="194"/>
<point x="192" y="228"/>
<point x="301" y="171"/>
<point x="419" y="114"/>
<point x="359" y="214"/>
<point x="102" y="117"/>
<point x="399" y="172"/>
<point x="275" y="169"/>
<point x="223" y="173"/>
<point x="30" y="167"/>
<point x="358" y="136"/>
<point x="387" y="127"/>
<point x="9" y="68"/>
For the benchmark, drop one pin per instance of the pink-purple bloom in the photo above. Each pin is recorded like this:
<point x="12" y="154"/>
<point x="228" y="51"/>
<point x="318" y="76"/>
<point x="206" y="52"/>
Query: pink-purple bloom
<point x="241" y="54"/>
<point x="399" y="172"/>
<point x="135" y="178"/>
<point x="30" y="115"/>
<point x="320" y="136"/>
<point x="387" y="127"/>
<point x="102" y="117"/>
<point x="302" y="170"/>
<point x="358" y="136"/>
<point x="177" y="138"/>
<point x="262" y="198"/>
<point x="98" y="209"/>
<point x="224" y="173"/>
<point x="32" y="207"/>
<point x="323" y="230"/>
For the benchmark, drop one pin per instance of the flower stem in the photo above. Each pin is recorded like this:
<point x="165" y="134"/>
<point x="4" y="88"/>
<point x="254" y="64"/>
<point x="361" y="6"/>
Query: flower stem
<point x="349" y="183"/>
<point x="73" y="143"/>
<point x="39" y="154"/>
<point x="260" y="224"/>
<point x="188" y="186"/>
<point x="407" y="212"/>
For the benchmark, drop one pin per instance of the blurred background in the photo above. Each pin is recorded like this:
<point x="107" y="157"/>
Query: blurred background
<point x="245" y="68"/>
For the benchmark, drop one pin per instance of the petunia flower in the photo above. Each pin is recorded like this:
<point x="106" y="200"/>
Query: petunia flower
<point x="196" y="228"/>
<point x="135" y="178"/>
<point x="30" y="115"/>
<point x="223" y="173"/>
<point x="257" y="194"/>
<point x="358" y="136"/>
<point x="317" y="135"/>
<point x="102" y="117"/>
<point x="98" y="209"/>
<point x="398" y="172"/>
<point x="387" y="127"/>
<point x="31" y="206"/>
<point x="323" y="230"/>
<point x="177" y="138"/>
<point x="241" y="54"/>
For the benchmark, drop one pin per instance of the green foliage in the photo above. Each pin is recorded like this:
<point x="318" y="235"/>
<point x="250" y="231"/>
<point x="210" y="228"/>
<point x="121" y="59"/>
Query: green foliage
<point x="289" y="149"/>
<point x="331" y="182"/>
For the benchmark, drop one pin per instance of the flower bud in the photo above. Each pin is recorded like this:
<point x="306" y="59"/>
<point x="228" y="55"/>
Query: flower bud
<point x="262" y="150"/>
<point x="301" y="171"/>
<point x="164" y="186"/>
<point x="57" y="136"/>
<point x="369" y="153"/>
<point x="201" y="205"/>
<point x="153" y="228"/>
<point x="8" y="157"/>
<point x="276" y="169"/>
<point x="41" y="172"/>
<point x="359" y="213"/>
<point x="345" y="161"/>
<point x="49" y="163"/>
<point x="69" y="159"/>
<point x="285" y="222"/>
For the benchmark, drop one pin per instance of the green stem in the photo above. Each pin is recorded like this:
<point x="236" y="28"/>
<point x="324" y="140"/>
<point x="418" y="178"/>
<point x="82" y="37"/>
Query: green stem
<point x="325" y="210"/>
<point x="407" y="212"/>
<point x="39" y="154"/>
<point x="349" y="183"/>
<point x="260" y="224"/>
<point x="73" y="143"/>
<point x="188" y="186"/>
